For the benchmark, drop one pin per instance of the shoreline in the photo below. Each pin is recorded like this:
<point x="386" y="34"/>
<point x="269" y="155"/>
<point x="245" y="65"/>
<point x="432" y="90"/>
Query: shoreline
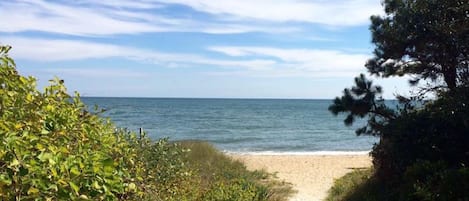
<point x="310" y="175"/>
<point x="299" y="153"/>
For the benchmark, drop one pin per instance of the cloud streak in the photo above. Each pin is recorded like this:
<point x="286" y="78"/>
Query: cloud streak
<point x="333" y="12"/>
<point x="110" y="18"/>
<point x="94" y="72"/>
<point x="301" y="60"/>
<point x="246" y="61"/>
<point x="74" y="19"/>
<point x="101" y="18"/>
<point x="73" y="50"/>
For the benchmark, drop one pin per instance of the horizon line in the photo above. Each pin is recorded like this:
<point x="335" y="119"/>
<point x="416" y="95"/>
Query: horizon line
<point x="233" y="98"/>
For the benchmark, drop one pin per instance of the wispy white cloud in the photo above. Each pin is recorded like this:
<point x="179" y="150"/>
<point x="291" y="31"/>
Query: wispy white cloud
<point x="333" y="12"/>
<point x="305" y="60"/>
<point x="68" y="19"/>
<point x="66" y="50"/>
<point x="252" y="61"/>
<point x="94" y="72"/>
<point x="99" y="18"/>
<point x="122" y="4"/>
<point x="63" y="50"/>
<point x="321" y="39"/>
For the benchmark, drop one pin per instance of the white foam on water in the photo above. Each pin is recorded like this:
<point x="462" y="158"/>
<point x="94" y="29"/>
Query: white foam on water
<point x="306" y="153"/>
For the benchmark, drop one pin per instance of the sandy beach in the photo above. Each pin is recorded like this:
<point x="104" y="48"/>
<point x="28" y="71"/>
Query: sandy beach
<point x="311" y="175"/>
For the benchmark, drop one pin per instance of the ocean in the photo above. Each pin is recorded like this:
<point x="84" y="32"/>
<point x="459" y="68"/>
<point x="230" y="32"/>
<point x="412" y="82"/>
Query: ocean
<point x="254" y="126"/>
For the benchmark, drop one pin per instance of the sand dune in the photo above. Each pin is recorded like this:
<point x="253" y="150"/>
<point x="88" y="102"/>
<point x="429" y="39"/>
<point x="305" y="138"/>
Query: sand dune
<point x="311" y="175"/>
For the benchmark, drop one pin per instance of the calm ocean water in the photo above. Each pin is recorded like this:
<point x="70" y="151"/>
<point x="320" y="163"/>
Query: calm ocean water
<point x="239" y="125"/>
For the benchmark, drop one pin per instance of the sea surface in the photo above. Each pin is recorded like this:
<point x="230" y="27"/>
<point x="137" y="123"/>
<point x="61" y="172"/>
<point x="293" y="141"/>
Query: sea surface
<point x="254" y="126"/>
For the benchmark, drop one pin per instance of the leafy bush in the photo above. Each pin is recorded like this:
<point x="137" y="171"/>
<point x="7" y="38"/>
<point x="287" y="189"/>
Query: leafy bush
<point x="431" y="181"/>
<point x="166" y="175"/>
<point x="236" y="189"/>
<point x="348" y="184"/>
<point x="51" y="147"/>
<point x="423" y="181"/>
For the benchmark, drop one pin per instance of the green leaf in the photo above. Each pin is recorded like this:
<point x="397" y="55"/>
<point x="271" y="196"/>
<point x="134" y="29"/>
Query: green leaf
<point x="108" y="162"/>
<point x="75" y="171"/>
<point x="53" y="187"/>
<point x="75" y="188"/>
<point x="33" y="190"/>
<point x="40" y="147"/>
<point x="43" y="156"/>
<point x="4" y="179"/>
<point x="53" y="172"/>
<point x="15" y="163"/>
<point x="108" y="166"/>
<point x="44" y="132"/>
<point x="96" y="185"/>
<point x="132" y="187"/>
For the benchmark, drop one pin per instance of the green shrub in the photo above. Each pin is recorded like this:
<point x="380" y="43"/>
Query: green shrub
<point x="360" y="185"/>
<point x="234" y="190"/>
<point x="52" y="148"/>
<point x="432" y="181"/>
<point x="424" y="181"/>
<point x="436" y="132"/>
<point x="167" y="176"/>
<point x="347" y="184"/>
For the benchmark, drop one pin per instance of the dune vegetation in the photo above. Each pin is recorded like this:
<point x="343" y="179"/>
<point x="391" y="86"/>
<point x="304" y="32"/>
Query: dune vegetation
<point x="52" y="147"/>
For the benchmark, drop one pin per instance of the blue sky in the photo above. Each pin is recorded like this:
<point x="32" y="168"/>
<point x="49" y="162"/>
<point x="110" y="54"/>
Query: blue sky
<point x="194" y="48"/>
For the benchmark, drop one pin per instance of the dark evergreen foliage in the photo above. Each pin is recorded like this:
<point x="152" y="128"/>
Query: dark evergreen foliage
<point x="424" y="38"/>
<point x="363" y="100"/>
<point x="423" y="153"/>
<point x="434" y="133"/>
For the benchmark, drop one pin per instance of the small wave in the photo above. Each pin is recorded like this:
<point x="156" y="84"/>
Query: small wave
<point x="234" y="140"/>
<point x="299" y="153"/>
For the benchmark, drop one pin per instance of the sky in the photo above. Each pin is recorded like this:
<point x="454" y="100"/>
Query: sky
<point x="194" y="48"/>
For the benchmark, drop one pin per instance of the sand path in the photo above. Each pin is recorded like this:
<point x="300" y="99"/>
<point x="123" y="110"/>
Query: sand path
<point x="311" y="175"/>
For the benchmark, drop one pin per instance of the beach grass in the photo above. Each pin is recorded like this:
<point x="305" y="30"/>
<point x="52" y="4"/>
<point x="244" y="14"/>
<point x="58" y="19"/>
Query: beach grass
<point x="360" y="185"/>
<point x="351" y="185"/>
<point x="223" y="177"/>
